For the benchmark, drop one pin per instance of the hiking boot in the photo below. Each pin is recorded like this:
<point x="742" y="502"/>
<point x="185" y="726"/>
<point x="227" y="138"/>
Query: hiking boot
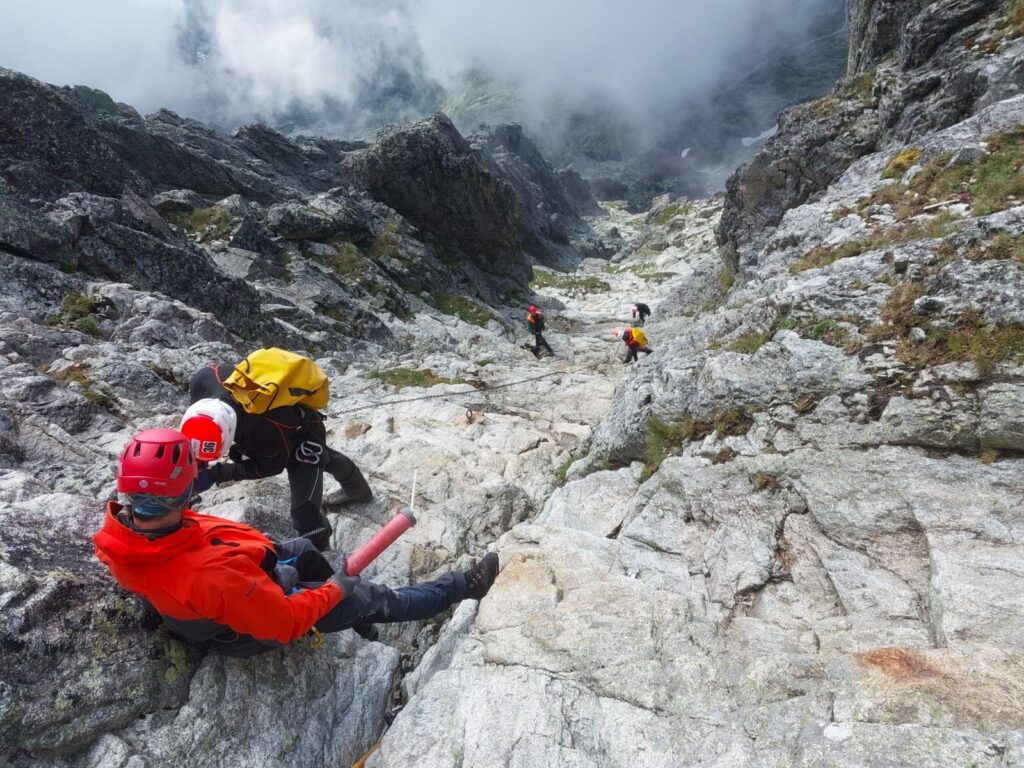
<point x="480" y="577"/>
<point x="355" y="490"/>
<point x="366" y="631"/>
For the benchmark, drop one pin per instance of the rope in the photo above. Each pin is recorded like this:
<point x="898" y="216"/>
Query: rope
<point x="475" y="393"/>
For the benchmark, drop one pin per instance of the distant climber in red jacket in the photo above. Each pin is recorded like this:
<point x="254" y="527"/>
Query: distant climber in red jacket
<point x="214" y="580"/>
<point x="535" y="324"/>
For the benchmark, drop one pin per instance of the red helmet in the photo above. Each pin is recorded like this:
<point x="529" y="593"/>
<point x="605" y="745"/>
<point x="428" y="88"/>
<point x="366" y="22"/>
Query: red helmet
<point x="533" y="308"/>
<point x="157" y="462"/>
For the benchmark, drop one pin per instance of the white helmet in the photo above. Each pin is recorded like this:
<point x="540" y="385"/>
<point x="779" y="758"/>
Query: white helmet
<point x="209" y="424"/>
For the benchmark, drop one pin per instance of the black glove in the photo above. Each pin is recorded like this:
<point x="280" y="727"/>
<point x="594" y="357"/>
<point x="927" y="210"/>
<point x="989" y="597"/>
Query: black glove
<point x="347" y="583"/>
<point x="204" y="481"/>
<point x="273" y="540"/>
<point x="287" y="576"/>
<point x="235" y="454"/>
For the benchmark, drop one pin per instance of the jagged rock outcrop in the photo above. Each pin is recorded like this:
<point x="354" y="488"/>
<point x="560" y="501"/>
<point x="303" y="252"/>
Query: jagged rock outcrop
<point x="551" y="201"/>
<point x="428" y="174"/>
<point x="293" y="240"/>
<point x="913" y="68"/>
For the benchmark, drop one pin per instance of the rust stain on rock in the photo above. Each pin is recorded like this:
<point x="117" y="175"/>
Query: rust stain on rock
<point x="900" y="664"/>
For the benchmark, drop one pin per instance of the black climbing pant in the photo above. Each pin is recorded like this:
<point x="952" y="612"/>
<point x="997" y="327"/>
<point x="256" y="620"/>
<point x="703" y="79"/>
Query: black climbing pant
<point x="306" y="482"/>
<point x="632" y="355"/>
<point x="540" y="341"/>
<point x="372" y="603"/>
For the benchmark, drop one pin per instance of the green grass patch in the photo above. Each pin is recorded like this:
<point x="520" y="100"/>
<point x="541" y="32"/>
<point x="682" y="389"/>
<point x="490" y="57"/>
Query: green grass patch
<point x="387" y="245"/>
<point x="971" y="340"/>
<point x="88" y="326"/>
<point x="513" y="297"/>
<point x="466" y="310"/>
<point x="1003" y="247"/>
<point x="858" y="91"/>
<point x="76" y="311"/>
<point x="733" y="422"/>
<point x="448" y="256"/>
<point x="91" y="390"/>
<point x="1016" y="18"/>
<point x="897" y="312"/>
<point x="833" y="332"/>
<point x="786" y="322"/>
<point x="347" y="261"/>
<point x="823" y="255"/>
<point x="400" y="378"/>
<point x="940" y="225"/>
<point x="993" y="182"/>
<point x="998" y="181"/>
<point x="204" y="224"/>
<point x="726" y="279"/>
<point x="483" y="363"/>
<point x="563" y="468"/>
<point x="902" y="163"/>
<point x="568" y="283"/>
<point x="665" y="439"/>
<point x="750" y="342"/>
<point x="670" y="211"/>
<point x="830" y="330"/>
<point x="76" y="306"/>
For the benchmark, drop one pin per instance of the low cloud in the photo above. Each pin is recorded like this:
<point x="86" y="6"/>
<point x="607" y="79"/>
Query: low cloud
<point x="345" y="65"/>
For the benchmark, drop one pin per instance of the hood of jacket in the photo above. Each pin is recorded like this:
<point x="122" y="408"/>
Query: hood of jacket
<point x="117" y="544"/>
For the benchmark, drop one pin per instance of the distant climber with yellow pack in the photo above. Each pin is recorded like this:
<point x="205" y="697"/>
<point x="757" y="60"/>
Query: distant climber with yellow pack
<point x="636" y="341"/>
<point x="271" y="424"/>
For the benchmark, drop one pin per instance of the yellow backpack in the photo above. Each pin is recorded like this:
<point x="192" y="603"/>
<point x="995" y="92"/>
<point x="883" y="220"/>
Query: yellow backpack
<point x="272" y="378"/>
<point x="638" y="337"/>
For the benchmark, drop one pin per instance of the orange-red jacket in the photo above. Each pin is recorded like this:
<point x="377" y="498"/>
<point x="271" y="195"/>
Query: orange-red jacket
<point x="210" y="577"/>
<point x="535" y="322"/>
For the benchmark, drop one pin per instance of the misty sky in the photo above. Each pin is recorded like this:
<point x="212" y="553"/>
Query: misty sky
<point x="234" y="61"/>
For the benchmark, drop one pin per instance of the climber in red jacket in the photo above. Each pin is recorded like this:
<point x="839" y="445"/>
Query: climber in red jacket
<point x="218" y="581"/>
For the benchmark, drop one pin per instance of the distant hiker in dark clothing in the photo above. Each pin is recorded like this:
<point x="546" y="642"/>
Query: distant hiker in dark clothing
<point x="635" y="341"/>
<point x="641" y="312"/>
<point x="224" y="583"/>
<point x="288" y="438"/>
<point x="535" y="322"/>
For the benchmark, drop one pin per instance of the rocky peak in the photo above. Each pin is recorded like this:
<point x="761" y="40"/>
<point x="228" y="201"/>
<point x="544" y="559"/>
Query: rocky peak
<point x="428" y="173"/>
<point x="876" y="30"/>
<point x="551" y="201"/>
<point x="914" y="68"/>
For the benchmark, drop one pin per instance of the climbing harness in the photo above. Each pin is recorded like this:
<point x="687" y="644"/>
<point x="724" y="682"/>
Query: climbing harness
<point x="313" y="638"/>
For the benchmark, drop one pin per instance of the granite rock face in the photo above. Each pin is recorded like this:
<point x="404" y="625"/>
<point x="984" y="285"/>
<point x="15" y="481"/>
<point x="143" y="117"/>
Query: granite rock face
<point x="428" y="174"/>
<point x="914" y="68"/>
<point x="789" y="536"/>
<point x="311" y="238"/>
